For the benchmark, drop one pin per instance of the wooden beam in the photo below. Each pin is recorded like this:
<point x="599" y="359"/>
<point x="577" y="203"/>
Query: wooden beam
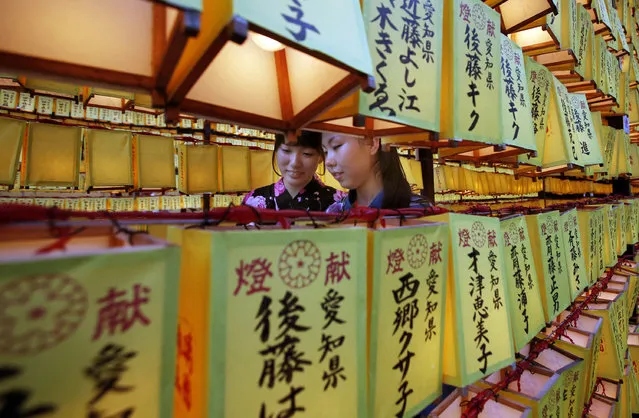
<point x="234" y="116"/>
<point x="236" y="30"/>
<point x="348" y="130"/>
<point x="74" y="72"/>
<point x="284" y="85"/>
<point x="187" y="25"/>
<point x="343" y="88"/>
<point x="159" y="36"/>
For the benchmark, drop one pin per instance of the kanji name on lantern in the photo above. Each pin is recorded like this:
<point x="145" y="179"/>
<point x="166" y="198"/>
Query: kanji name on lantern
<point x="384" y="51"/>
<point x="184" y="366"/>
<point x="282" y="359"/>
<point x="296" y="24"/>
<point x="522" y="297"/>
<point x="428" y="33"/>
<point x="119" y="311"/>
<point x="481" y="313"/>
<point x="405" y="296"/>
<point x="17" y="401"/>
<point x="552" y="270"/>
<point x="412" y="37"/>
<point x="337" y="268"/>
<point x="473" y="66"/>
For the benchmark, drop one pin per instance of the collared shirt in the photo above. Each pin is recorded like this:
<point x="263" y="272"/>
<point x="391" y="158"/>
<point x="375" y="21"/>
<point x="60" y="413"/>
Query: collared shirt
<point x="315" y="196"/>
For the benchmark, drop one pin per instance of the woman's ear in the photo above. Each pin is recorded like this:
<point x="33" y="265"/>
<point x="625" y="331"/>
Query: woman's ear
<point x="375" y="144"/>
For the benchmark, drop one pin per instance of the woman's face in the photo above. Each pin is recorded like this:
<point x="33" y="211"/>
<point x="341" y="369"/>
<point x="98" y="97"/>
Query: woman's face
<point x="297" y="164"/>
<point x="350" y="160"/>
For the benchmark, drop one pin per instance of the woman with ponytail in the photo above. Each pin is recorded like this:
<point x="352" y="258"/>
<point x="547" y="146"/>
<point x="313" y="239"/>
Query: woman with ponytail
<point x="374" y="177"/>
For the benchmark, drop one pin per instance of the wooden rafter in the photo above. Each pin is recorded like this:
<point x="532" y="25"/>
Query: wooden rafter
<point x="284" y="85"/>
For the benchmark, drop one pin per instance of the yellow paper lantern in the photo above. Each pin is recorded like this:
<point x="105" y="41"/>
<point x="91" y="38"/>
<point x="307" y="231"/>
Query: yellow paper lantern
<point x="234" y="169"/>
<point x="11" y="136"/>
<point x="53" y="155"/>
<point x="110" y="158"/>
<point x="261" y="167"/>
<point x="153" y="162"/>
<point x="197" y="168"/>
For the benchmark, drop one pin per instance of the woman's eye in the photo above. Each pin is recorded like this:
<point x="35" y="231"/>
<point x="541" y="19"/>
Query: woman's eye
<point x="308" y="154"/>
<point x="337" y="146"/>
<point x="286" y="151"/>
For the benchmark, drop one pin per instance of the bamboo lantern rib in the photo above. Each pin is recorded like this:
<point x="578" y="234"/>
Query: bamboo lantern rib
<point x="136" y="56"/>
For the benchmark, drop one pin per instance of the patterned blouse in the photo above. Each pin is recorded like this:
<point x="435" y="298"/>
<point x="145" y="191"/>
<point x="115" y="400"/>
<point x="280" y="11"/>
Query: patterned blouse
<point x="315" y="196"/>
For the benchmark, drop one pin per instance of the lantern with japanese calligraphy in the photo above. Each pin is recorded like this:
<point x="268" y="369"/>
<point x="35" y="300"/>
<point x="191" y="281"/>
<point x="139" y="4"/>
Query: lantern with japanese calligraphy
<point x="574" y="250"/>
<point x="197" y="168"/>
<point x="53" y="155"/>
<point x="610" y="306"/>
<point x="102" y="311"/>
<point x="11" y="137"/>
<point x="632" y="222"/>
<point x="236" y="286"/>
<point x="406" y="48"/>
<point x="527" y="314"/>
<point x="537" y="388"/>
<point x="452" y="406"/>
<point x="408" y="279"/>
<point x="109" y="158"/>
<point x="476" y="299"/>
<point x="550" y="261"/>
<point x="294" y="67"/>
<point x="153" y="162"/>
<point x="517" y="129"/>
<point x="621" y="155"/>
<point x="621" y="229"/>
<point x="570" y="368"/>
<point x="584" y="130"/>
<point x="628" y="280"/>
<point x="540" y="83"/>
<point x="633" y="358"/>
<point x="470" y="89"/>
<point x="610" y="235"/>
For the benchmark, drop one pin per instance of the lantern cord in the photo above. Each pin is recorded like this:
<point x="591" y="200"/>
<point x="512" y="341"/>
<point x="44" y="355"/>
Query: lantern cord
<point x="476" y="405"/>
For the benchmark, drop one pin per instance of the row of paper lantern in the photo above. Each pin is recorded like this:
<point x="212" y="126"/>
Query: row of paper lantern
<point x="248" y="300"/>
<point x="52" y="156"/>
<point x="572" y="187"/>
<point x="465" y="179"/>
<point x="487" y="256"/>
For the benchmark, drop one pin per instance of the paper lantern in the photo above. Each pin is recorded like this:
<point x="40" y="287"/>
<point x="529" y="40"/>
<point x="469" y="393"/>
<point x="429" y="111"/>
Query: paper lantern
<point x="137" y="284"/>
<point x="197" y="168"/>
<point x="408" y="279"/>
<point x="570" y="368"/>
<point x="591" y="228"/>
<point x="538" y="388"/>
<point x="611" y="308"/>
<point x="574" y="251"/>
<point x="633" y="354"/>
<point x="229" y="277"/>
<point x="153" y="162"/>
<point x="261" y="166"/>
<point x="234" y="169"/>
<point x="550" y="262"/>
<point x="476" y="300"/>
<point x="141" y="50"/>
<point x="601" y="408"/>
<point x="527" y="314"/>
<point x="631" y="227"/>
<point x="294" y="67"/>
<point x="540" y="83"/>
<point x="109" y="158"/>
<point x="53" y="155"/>
<point x="471" y="88"/>
<point x="451" y="407"/>
<point x="406" y="99"/>
<point x="610" y="235"/>
<point x="11" y="136"/>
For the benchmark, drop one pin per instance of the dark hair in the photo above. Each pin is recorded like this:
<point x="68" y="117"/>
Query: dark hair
<point x="397" y="191"/>
<point x="309" y="139"/>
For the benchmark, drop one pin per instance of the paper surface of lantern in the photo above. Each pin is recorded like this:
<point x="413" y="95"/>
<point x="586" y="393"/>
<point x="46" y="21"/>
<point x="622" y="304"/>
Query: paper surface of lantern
<point x="633" y="356"/>
<point x="250" y="293"/>
<point x="291" y="83"/>
<point x="261" y="167"/>
<point x="517" y="123"/>
<point x="234" y="169"/>
<point x="110" y="159"/>
<point x="476" y="300"/>
<point x="610" y="235"/>
<point x="587" y="144"/>
<point x="11" y="137"/>
<point x="53" y="155"/>
<point x="550" y="261"/>
<point x="471" y="79"/>
<point x="517" y="13"/>
<point x="197" y="168"/>
<point x="407" y="318"/>
<point x="105" y="312"/>
<point x="153" y="162"/>
<point x="405" y="43"/>
<point x="527" y="314"/>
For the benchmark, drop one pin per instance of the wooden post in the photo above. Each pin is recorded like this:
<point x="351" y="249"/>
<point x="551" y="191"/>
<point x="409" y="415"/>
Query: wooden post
<point x="425" y="157"/>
